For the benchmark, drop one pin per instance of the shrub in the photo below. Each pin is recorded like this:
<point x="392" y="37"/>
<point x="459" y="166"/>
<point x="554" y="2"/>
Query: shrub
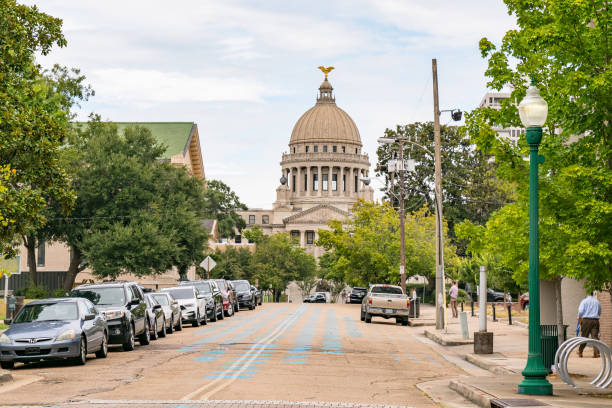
<point x="59" y="293"/>
<point x="33" y="292"/>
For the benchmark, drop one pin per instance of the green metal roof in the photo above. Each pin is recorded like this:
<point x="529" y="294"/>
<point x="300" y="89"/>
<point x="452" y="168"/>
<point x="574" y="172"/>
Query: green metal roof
<point x="175" y="135"/>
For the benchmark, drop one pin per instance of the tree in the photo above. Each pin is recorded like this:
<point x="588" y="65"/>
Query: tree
<point x="222" y="204"/>
<point x="232" y="264"/>
<point x="134" y="213"/>
<point x="365" y="248"/>
<point x="564" y="45"/>
<point x="34" y="120"/>
<point x="469" y="185"/>
<point x="277" y="261"/>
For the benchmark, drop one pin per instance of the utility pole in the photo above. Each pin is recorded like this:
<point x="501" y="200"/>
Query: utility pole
<point x="440" y="289"/>
<point x="401" y="169"/>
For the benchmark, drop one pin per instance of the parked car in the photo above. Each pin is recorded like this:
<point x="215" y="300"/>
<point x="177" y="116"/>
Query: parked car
<point x="524" y="299"/>
<point x="497" y="296"/>
<point x="246" y="295"/>
<point x="157" y="319"/>
<point x="124" y="308"/>
<point x="172" y="311"/>
<point x="192" y="303"/>
<point x="318" y="297"/>
<point x="228" y="293"/>
<point x="386" y="301"/>
<point x="357" y="295"/>
<point x="66" y="328"/>
<point x="258" y="297"/>
<point x="212" y="295"/>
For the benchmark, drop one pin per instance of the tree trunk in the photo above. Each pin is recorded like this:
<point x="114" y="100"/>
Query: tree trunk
<point x="559" y="305"/>
<point x="29" y="242"/>
<point x="182" y="270"/>
<point x="73" y="269"/>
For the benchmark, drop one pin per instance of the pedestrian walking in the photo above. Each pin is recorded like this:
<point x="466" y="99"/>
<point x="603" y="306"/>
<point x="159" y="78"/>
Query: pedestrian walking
<point x="453" y="292"/>
<point x="589" y="312"/>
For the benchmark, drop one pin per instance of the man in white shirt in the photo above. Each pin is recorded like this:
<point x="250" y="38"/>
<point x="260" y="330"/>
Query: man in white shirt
<point x="453" y="292"/>
<point x="589" y="312"/>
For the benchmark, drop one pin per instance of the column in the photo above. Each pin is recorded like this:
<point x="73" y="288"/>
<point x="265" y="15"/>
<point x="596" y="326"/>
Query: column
<point x="300" y="182"/>
<point x="309" y="182"/>
<point x="330" y="172"/>
<point x="302" y="239"/>
<point x="340" y="185"/>
<point x="320" y="182"/>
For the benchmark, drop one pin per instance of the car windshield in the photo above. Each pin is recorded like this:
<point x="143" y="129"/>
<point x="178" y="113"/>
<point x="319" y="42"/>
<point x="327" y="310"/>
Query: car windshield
<point x="387" y="289"/>
<point x="203" y="287"/>
<point x="358" y="291"/>
<point x="102" y="296"/>
<point x="186" y="293"/>
<point x="242" y="287"/>
<point x="222" y="285"/>
<point x="48" y="311"/>
<point x="161" y="299"/>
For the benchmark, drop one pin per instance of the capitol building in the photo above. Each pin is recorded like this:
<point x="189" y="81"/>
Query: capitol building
<point x="322" y="174"/>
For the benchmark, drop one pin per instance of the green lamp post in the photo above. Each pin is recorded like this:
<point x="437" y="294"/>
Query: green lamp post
<point x="533" y="111"/>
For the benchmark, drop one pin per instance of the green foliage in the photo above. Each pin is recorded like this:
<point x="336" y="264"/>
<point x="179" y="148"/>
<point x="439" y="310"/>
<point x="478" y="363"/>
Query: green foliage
<point x="222" y="204"/>
<point x="565" y="46"/>
<point x="34" y="120"/>
<point x="33" y="291"/>
<point x="277" y="261"/>
<point x="232" y="264"/>
<point x="134" y="213"/>
<point x="58" y="293"/>
<point x="470" y="189"/>
<point x="366" y="248"/>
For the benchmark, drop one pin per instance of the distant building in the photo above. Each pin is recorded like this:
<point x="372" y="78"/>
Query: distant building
<point x="322" y="174"/>
<point x="494" y="100"/>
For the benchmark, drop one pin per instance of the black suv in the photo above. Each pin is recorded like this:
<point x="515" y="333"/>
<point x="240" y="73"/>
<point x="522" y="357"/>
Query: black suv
<point x="124" y="307"/>
<point x="357" y="295"/>
<point x="245" y="293"/>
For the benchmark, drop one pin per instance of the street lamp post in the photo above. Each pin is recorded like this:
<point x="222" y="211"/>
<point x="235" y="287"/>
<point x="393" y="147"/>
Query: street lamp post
<point x="533" y="111"/>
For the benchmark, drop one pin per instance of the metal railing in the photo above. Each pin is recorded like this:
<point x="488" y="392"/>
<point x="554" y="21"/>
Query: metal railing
<point x="603" y="379"/>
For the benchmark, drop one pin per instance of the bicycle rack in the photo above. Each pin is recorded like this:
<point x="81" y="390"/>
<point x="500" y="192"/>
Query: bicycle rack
<point x="603" y="380"/>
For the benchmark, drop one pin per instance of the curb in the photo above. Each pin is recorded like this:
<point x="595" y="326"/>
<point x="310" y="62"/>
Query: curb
<point x="482" y="363"/>
<point x="440" y="340"/>
<point x="5" y="376"/>
<point x="478" y="397"/>
<point x="420" y="323"/>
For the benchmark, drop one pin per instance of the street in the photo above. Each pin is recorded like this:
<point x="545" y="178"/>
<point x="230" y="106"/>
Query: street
<point x="278" y="352"/>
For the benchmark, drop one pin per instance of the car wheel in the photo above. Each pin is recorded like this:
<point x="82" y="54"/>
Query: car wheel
<point x="230" y="311"/>
<point x="154" y="334"/>
<point x="205" y="320"/>
<point x="368" y="317"/>
<point x="251" y="306"/>
<point x="170" y="329"/>
<point x="131" y="342"/>
<point x="526" y="306"/>
<point x="196" y="322"/>
<point x="179" y="326"/>
<point x="82" y="357"/>
<point x="214" y="314"/>
<point x="7" y="365"/>
<point x="222" y="314"/>
<point x="362" y="316"/>
<point x="405" y="321"/>
<point x="145" y="337"/>
<point x="236" y="307"/>
<point x="162" y="332"/>
<point x="103" y="352"/>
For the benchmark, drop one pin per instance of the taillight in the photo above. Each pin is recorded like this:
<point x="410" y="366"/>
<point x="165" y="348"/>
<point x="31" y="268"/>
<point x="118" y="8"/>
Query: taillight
<point x="407" y="303"/>
<point x="370" y="301"/>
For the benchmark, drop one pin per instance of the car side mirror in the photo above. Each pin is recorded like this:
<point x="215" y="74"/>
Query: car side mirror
<point x="134" y="302"/>
<point x="157" y="307"/>
<point x="8" y="321"/>
<point x="90" y="316"/>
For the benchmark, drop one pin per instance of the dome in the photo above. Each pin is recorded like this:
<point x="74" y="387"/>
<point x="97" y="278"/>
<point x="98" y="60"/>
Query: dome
<point x="325" y="122"/>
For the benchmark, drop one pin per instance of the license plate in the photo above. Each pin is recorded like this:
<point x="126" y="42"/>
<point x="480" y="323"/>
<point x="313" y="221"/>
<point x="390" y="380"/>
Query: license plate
<point x="389" y="311"/>
<point x="117" y="331"/>
<point x="32" y="350"/>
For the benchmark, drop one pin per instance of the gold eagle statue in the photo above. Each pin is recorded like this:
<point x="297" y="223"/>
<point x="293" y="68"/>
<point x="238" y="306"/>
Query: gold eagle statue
<point x="325" y="70"/>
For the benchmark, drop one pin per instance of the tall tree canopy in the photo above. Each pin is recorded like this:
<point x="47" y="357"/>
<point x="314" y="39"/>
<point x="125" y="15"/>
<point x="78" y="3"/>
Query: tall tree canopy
<point x="34" y="120"/>
<point x="365" y="248"/>
<point x="134" y="213"/>
<point x="222" y="204"/>
<point x="565" y="46"/>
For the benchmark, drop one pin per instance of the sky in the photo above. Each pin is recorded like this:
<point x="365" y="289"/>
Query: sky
<point x="245" y="71"/>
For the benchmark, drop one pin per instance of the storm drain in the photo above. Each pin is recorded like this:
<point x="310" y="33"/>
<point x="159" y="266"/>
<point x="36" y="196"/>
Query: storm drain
<point x="519" y="402"/>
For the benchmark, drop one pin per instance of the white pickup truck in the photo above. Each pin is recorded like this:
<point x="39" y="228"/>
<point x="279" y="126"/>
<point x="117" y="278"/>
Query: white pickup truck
<point x="386" y="301"/>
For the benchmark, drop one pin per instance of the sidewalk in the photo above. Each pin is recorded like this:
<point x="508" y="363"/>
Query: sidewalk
<point x="510" y="345"/>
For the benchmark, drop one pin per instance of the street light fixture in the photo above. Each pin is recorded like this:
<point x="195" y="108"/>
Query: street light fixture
<point x="533" y="111"/>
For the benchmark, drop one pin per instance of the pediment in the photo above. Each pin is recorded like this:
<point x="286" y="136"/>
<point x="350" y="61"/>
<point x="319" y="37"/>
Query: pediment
<point x="319" y="214"/>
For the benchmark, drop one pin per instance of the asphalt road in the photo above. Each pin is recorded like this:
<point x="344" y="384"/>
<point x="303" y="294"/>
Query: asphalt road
<point x="318" y="354"/>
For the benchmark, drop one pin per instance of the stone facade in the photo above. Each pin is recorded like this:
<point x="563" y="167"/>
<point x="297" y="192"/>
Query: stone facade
<point x="322" y="174"/>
